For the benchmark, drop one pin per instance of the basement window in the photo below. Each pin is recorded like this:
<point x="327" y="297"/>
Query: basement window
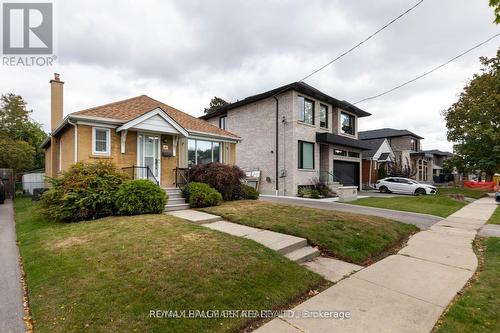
<point x="101" y="141"/>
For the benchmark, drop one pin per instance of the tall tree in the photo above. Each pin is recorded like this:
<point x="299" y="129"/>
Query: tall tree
<point x="17" y="128"/>
<point x="215" y="103"/>
<point x="473" y="121"/>
<point x="496" y="7"/>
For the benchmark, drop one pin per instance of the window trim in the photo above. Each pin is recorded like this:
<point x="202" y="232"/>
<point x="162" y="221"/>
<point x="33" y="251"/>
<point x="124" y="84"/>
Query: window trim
<point x="108" y="141"/>
<point x="302" y="114"/>
<point x="225" y="122"/>
<point x="212" y="150"/>
<point x="341" y="131"/>
<point x="326" y="115"/>
<point x="300" y="149"/>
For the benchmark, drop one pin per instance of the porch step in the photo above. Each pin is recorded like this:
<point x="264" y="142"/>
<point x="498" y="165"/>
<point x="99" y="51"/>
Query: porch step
<point x="175" y="201"/>
<point x="305" y="253"/>
<point x="170" y="208"/>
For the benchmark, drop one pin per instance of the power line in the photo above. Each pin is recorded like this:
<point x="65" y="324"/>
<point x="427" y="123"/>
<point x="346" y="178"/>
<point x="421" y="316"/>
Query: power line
<point x="429" y="71"/>
<point x="363" y="41"/>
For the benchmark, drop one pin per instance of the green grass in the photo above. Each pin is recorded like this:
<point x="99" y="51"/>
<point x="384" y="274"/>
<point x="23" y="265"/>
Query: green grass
<point x="435" y="205"/>
<point x="495" y="218"/>
<point x="467" y="192"/>
<point x="355" y="238"/>
<point x="106" y="275"/>
<point x="478" y="309"/>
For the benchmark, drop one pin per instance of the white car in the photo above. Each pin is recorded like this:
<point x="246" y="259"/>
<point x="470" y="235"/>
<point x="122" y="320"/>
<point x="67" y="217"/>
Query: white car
<point x="403" y="185"/>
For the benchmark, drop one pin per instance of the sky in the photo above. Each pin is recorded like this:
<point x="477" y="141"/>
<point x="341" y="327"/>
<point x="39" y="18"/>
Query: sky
<point x="185" y="52"/>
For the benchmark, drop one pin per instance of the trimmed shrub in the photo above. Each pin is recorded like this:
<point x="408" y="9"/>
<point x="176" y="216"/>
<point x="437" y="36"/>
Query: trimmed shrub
<point x="202" y="195"/>
<point x="251" y="193"/>
<point x="226" y="179"/>
<point x="140" y="196"/>
<point x="85" y="191"/>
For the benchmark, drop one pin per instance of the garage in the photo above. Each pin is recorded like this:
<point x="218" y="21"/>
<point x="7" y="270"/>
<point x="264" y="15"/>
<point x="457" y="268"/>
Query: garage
<point x="346" y="172"/>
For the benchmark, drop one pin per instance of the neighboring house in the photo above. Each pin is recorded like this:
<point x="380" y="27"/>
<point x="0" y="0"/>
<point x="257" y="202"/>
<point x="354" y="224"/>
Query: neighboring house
<point x="407" y="148"/>
<point x="378" y="157"/>
<point x="294" y="135"/>
<point x="438" y="158"/>
<point x="136" y="132"/>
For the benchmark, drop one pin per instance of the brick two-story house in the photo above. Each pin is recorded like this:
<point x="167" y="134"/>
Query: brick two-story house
<point x="295" y="134"/>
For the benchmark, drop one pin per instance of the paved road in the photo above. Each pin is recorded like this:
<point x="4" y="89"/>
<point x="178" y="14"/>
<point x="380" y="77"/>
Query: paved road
<point x="423" y="221"/>
<point x="404" y="293"/>
<point x="11" y="304"/>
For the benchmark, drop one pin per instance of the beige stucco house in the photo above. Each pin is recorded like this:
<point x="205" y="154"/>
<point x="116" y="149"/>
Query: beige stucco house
<point x="295" y="134"/>
<point x="146" y="137"/>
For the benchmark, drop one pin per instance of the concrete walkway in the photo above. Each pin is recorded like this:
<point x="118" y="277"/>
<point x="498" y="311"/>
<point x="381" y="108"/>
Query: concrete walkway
<point x="423" y="221"/>
<point x="406" y="292"/>
<point x="11" y="293"/>
<point x="490" y="230"/>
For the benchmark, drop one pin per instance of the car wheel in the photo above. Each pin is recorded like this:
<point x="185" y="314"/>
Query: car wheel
<point x="384" y="189"/>
<point x="420" y="191"/>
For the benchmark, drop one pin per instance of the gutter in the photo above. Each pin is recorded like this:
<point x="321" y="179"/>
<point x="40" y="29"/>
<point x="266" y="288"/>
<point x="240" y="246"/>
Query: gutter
<point x="276" y="149"/>
<point x="76" y="139"/>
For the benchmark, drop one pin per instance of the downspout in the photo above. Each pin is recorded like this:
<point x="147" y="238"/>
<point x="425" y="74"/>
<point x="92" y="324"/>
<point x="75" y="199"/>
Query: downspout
<point x="276" y="150"/>
<point x="370" y="173"/>
<point x="76" y="139"/>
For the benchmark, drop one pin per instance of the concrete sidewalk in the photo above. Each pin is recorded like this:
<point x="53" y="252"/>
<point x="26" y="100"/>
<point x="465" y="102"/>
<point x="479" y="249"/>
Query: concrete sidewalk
<point x="11" y="293"/>
<point x="406" y="292"/>
<point x="423" y="221"/>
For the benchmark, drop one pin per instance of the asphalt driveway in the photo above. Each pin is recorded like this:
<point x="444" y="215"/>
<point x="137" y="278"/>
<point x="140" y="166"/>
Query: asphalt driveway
<point x="11" y="303"/>
<point x="423" y="221"/>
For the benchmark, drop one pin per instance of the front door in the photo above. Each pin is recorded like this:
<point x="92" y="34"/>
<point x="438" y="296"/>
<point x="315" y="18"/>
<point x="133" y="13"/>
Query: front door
<point x="149" y="155"/>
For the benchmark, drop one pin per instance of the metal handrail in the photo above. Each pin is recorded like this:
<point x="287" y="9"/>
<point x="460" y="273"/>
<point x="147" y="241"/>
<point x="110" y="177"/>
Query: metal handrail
<point x="181" y="176"/>
<point x="149" y="175"/>
<point x="328" y="177"/>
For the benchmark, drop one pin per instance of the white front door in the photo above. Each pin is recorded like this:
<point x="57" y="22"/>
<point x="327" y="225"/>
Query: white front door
<point x="149" y="155"/>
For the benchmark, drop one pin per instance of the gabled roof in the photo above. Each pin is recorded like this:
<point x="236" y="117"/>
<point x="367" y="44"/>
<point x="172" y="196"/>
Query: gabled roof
<point x="301" y="87"/>
<point x="132" y="108"/>
<point x="386" y="133"/>
<point x="438" y="152"/>
<point x="373" y="145"/>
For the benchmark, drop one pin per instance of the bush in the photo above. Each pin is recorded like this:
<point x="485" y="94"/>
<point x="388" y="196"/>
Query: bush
<point x="226" y="179"/>
<point x="140" y="196"/>
<point x="251" y="193"/>
<point x="85" y="191"/>
<point x="202" y="195"/>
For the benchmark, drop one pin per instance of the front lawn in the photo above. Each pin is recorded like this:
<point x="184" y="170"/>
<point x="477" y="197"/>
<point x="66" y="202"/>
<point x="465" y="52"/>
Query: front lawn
<point x="438" y="205"/>
<point x="466" y="192"/>
<point x="107" y="275"/>
<point x="495" y="218"/>
<point x="351" y="237"/>
<point x="477" y="310"/>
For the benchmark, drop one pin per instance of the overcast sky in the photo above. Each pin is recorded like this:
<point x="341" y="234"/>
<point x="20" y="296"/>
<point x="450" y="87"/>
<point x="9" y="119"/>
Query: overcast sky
<point x="185" y="52"/>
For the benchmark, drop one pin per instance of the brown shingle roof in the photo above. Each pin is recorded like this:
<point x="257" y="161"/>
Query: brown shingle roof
<point x="132" y="108"/>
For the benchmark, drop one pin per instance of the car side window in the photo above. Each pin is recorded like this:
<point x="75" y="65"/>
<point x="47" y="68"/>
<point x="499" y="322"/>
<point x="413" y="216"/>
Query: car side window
<point x="390" y="180"/>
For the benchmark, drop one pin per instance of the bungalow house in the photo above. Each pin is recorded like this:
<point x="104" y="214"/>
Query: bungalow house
<point x="295" y="134"/>
<point x="141" y="135"/>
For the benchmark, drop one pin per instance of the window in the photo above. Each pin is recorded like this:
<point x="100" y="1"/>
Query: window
<point x="306" y="155"/>
<point x="339" y="152"/>
<point x="347" y="123"/>
<point x="222" y="122"/>
<point x="306" y="110"/>
<point x="323" y="116"/>
<point x="414" y="144"/>
<point x="101" y="141"/>
<point x="353" y="154"/>
<point x="203" y="152"/>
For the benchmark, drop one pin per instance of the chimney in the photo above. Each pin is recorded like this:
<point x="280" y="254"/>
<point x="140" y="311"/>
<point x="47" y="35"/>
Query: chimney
<point x="56" y="101"/>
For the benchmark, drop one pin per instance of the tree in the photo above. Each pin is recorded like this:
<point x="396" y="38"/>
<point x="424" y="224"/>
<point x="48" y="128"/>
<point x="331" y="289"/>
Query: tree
<point x="215" y="103"/>
<point x="496" y="6"/>
<point x="20" y="134"/>
<point x="396" y="169"/>
<point x="473" y="121"/>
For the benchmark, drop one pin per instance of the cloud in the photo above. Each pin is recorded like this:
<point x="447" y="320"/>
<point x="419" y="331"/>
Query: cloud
<point x="185" y="52"/>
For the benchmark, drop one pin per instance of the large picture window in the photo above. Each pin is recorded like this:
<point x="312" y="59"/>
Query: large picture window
<point x="306" y="155"/>
<point x="347" y="122"/>
<point x="306" y="110"/>
<point x="203" y="152"/>
<point x="323" y="116"/>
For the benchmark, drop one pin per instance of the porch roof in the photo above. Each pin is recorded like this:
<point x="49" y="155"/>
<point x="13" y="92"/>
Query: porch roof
<point x="335" y="139"/>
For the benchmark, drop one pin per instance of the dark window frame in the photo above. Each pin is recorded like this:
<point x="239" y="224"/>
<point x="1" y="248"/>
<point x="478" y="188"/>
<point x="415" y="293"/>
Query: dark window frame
<point x="323" y="124"/>
<point x="306" y="100"/>
<point x="301" y="155"/>
<point x="225" y="122"/>
<point x="353" y="125"/>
